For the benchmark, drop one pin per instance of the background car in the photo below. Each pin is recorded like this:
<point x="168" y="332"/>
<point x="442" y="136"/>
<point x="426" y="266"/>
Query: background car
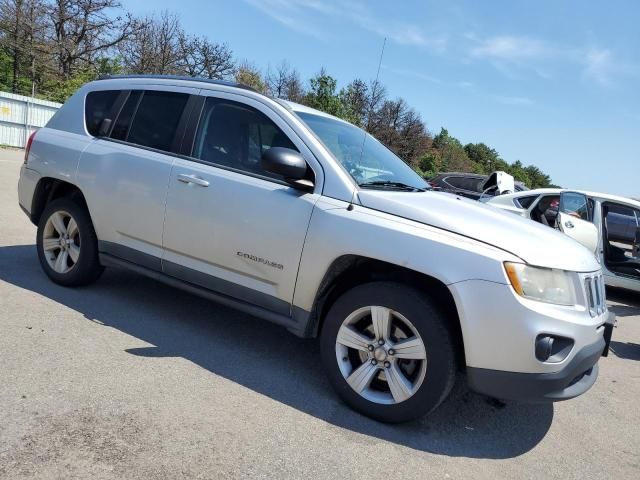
<point x="466" y="184"/>
<point x="606" y="224"/>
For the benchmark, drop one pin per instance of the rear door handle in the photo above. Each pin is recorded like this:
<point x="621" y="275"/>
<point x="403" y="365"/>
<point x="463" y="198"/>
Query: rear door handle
<point x="201" y="182"/>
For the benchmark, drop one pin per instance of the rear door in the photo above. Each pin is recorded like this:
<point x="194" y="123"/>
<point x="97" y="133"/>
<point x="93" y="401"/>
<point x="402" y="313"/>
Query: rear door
<point x="125" y="172"/>
<point x="575" y="219"/>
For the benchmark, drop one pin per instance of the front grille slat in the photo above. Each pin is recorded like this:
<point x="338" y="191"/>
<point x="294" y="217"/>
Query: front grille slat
<point x="595" y="295"/>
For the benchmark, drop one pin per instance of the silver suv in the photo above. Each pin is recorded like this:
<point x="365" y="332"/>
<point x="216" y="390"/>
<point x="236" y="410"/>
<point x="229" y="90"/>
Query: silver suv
<point x="304" y="220"/>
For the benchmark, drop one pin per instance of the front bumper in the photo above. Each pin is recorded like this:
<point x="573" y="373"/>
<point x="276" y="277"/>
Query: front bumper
<point x="574" y="379"/>
<point x="499" y="330"/>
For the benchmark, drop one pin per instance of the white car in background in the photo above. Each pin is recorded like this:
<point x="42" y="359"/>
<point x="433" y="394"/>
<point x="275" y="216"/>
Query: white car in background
<point x="608" y="225"/>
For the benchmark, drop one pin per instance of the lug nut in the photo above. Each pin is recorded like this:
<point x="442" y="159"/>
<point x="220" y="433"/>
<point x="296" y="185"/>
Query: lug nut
<point x="370" y="348"/>
<point x="387" y="364"/>
<point x="392" y="351"/>
<point x="373" y="362"/>
<point x="380" y="342"/>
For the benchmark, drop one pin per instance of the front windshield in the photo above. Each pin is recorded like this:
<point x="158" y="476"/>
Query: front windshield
<point x="371" y="164"/>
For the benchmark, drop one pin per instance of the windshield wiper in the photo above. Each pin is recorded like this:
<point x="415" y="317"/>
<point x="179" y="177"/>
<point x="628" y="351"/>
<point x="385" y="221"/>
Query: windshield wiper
<point x="390" y="184"/>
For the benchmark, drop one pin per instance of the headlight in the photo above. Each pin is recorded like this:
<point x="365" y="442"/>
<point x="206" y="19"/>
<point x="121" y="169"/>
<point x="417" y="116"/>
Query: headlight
<point x="542" y="284"/>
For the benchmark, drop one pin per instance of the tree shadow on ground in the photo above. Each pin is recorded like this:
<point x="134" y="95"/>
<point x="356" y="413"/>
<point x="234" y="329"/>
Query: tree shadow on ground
<point x="268" y="360"/>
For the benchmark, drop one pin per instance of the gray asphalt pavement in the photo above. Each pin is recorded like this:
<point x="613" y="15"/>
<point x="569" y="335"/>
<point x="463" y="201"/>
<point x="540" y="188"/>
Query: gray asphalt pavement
<point x="128" y="378"/>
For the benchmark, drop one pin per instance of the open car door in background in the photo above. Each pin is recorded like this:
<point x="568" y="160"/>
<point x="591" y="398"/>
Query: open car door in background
<point x="575" y="219"/>
<point x="621" y="239"/>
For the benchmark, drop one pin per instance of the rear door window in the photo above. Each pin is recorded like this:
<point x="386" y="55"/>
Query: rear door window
<point x="97" y="106"/>
<point x="156" y="119"/>
<point x="121" y="128"/>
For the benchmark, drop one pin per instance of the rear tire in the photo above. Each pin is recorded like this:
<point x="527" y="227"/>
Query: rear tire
<point x="67" y="244"/>
<point x="391" y="370"/>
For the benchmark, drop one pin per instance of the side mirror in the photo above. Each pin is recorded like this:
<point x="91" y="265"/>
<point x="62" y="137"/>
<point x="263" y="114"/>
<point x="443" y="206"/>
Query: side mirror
<point x="289" y="164"/>
<point x="105" y="127"/>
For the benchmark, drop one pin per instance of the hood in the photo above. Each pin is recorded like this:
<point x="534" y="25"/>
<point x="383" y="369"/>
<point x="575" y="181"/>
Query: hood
<point x="534" y="243"/>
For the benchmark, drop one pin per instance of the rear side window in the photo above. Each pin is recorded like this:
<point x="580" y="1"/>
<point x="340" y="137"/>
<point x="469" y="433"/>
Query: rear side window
<point x="97" y="106"/>
<point x="524" y="202"/>
<point x="156" y="119"/>
<point x="121" y="127"/>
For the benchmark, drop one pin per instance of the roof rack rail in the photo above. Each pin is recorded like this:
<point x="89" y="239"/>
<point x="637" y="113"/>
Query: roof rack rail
<point x="179" y="77"/>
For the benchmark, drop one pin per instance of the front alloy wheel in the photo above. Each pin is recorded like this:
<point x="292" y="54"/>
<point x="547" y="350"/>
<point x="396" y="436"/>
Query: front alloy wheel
<point x="381" y="355"/>
<point x="388" y="350"/>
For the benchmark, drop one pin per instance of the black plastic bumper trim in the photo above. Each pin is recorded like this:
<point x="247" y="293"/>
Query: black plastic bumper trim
<point x="574" y="379"/>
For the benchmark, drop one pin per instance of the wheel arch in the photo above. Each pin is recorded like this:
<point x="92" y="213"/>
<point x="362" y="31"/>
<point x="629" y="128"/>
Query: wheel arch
<point x="349" y="271"/>
<point x="50" y="188"/>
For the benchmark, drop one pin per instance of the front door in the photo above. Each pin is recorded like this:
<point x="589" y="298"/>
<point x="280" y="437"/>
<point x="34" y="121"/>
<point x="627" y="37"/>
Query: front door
<point x="575" y="219"/>
<point x="231" y="226"/>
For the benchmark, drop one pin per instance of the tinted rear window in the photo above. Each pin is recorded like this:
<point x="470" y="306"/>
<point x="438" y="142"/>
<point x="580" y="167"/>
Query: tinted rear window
<point x="96" y="107"/>
<point x="464" y="183"/>
<point x="156" y="119"/>
<point x="121" y="127"/>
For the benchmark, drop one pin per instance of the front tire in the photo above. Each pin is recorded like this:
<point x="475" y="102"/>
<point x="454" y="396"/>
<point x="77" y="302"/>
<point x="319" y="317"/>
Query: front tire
<point x="387" y="351"/>
<point x="67" y="244"/>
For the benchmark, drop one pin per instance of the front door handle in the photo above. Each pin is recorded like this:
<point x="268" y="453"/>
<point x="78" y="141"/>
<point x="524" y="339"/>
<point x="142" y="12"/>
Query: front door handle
<point x="201" y="182"/>
<point x="568" y="224"/>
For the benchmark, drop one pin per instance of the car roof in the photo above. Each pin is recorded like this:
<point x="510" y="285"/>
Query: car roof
<point x="180" y="78"/>
<point x="599" y="195"/>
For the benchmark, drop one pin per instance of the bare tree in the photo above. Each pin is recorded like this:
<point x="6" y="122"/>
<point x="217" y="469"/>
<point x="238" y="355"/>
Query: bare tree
<point x="216" y="58"/>
<point x="21" y="30"/>
<point x="277" y="79"/>
<point x="81" y="30"/>
<point x="200" y="57"/>
<point x="284" y="82"/>
<point x="154" y="47"/>
<point x="166" y="33"/>
<point x="377" y="95"/>
<point x="294" y="88"/>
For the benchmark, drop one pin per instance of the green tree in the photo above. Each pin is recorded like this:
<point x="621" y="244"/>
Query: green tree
<point x="250" y="76"/>
<point x="322" y="95"/>
<point x="452" y="154"/>
<point x="355" y="101"/>
<point x="484" y="157"/>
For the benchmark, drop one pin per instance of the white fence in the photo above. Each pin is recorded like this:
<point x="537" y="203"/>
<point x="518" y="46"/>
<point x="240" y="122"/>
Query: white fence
<point x="20" y="115"/>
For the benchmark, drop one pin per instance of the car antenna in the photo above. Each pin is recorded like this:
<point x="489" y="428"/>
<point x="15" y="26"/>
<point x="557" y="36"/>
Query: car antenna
<point x="375" y="88"/>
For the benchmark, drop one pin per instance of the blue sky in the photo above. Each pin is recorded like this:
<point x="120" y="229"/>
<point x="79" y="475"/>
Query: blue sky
<point x="551" y="83"/>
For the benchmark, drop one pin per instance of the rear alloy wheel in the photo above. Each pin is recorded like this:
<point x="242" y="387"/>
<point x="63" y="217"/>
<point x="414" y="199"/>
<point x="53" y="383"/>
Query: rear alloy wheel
<point x="387" y="351"/>
<point x="67" y="243"/>
<point x="61" y="242"/>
